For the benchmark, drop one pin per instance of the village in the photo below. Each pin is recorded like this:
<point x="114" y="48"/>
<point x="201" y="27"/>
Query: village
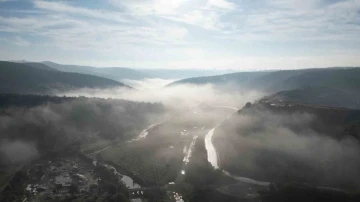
<point x="61" y="178"/>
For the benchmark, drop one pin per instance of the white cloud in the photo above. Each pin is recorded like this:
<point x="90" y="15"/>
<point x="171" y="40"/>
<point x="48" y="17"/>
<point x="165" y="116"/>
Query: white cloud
<point x="201" y="13"/>
<point x="150" y="7"/>
<point x="222" y="4"/>
<point x="295" y="4"/>
<point x="295" y="20"/>
<point x="61" y="7"/>
<point x="189" y="33"/>
<point x="65" y="28"/>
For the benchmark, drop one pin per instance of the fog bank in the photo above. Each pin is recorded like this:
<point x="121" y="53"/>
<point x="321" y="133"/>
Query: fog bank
<point x="174" y="96"/>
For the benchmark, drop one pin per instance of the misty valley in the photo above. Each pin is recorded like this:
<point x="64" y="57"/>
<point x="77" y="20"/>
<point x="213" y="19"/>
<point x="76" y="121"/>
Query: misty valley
<point x="268" y="136"/>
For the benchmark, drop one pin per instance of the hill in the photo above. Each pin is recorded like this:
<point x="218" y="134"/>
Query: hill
<point x="240" y="79"/>
<point x="319" y="96"/>
<point x="22" y="78"/>
<point x="39" y="66"/>
<point x="275" y="81"/>
<point x="122" y="73"/>
<point x="182" y="73"/>
<point x="290" y="142"/>
<point x="339" y="87"/>
<point x="115" y="73"/>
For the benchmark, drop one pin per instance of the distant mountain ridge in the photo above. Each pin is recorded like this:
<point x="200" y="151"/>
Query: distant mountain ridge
<point x="39" y="66"/>
<point x="122" y="73"/>
<point x="115" y="73"/>
<point x="276" y="81"/>
<point x="318" y="96"/>
<point x="38" y="78"/>
<point x="339" y="87"/>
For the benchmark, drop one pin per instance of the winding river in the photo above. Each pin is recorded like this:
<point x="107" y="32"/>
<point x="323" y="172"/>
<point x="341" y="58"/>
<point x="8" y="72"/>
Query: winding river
<point x="213" y="156"/>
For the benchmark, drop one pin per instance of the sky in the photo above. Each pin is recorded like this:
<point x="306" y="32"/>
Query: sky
<point x="206" y="34"/>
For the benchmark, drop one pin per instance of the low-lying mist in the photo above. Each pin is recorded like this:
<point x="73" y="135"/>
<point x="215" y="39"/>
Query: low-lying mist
<point x="173" y="96"/>
<point x="27" y="131"/>
<point x="147" y="84"/>
<point x="16" y="151"/>
<point x="288" y="147"/>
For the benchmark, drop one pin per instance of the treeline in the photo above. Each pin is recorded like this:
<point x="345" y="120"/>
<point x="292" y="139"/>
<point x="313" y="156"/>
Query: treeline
<point x="301" y="192"/>
<point x="30" y="100"/>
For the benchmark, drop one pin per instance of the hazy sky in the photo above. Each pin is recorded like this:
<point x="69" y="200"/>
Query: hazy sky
<point x="237" y="34"/>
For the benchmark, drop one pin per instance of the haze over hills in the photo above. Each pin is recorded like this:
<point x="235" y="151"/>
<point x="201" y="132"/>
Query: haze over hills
<point x="180" y="101"/>
<point x="115" y="73"/>
<point x="282" y="140"/>
<point x="331" y="97"/>
<point x="39" y="66"/>
<point x="122" y="73"/>
<point x="183" y="73"/>
<point x="38" y="78"/>
<point x="292" y="142"/>
<point x="318" y="86"/>
<point x="276" y="81"/>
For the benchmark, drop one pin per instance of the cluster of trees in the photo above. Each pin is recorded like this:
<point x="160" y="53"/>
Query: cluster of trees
<point x="110" y="184"/>
<point x="300" y="192"/>
<point x="15" y="189"/>
<point x="29" y="100"/>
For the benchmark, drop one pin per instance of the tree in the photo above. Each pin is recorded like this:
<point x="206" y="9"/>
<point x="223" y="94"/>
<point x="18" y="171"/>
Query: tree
<point x="73" y="189"/>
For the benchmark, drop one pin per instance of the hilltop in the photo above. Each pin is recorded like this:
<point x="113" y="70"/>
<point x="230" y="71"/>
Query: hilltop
<point x="39" y="78"/>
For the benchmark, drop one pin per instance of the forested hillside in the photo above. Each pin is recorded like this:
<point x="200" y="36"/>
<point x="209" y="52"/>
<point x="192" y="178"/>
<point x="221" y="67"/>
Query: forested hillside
<point x="275" y="81"/>
<point x="338" y="87"/>
<point x="289" y="142"/>
<point x="45" y="123"/>
<point x="22" y="78"/>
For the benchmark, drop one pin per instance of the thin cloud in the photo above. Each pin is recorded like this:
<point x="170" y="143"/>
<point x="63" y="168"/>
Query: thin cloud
<point x="61" y="7"/>
<point x="144" y="32"/>
<point x="19" y="41"/>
